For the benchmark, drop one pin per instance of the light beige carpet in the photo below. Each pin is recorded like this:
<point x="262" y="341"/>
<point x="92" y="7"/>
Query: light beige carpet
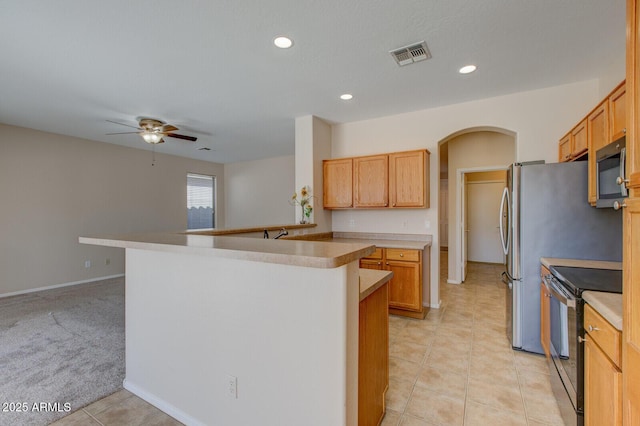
<point x="60" y="350"/>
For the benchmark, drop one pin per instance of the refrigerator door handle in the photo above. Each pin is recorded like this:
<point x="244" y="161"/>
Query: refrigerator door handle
<point x="505" y="241"/>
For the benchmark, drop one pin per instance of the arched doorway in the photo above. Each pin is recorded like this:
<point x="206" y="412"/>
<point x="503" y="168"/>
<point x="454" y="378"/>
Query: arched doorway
<point x="472" y="150"/>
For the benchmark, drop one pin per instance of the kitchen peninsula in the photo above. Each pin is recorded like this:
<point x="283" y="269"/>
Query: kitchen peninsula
<point x="228" y="330"/>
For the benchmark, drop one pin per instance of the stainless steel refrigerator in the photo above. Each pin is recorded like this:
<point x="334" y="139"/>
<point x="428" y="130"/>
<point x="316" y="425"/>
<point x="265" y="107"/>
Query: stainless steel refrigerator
<point x="545" y="213"/>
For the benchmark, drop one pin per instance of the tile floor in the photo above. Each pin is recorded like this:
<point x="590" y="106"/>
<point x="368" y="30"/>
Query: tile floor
<point x="454" y="368"/>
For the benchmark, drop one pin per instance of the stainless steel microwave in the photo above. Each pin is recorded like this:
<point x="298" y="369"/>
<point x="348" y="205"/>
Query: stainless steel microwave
<point x="610" y="175"/>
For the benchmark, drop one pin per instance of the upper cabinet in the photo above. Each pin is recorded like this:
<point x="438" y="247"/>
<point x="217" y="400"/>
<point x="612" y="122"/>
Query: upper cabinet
<point x="371" y="181"/>
<point x="408" y="174"/>
<point x="338" y="183"/>
<point x="604" y="124"/>
<point x="598" y="136"/>
<point x="617" y="112"/>
<point x="396" y="180"/>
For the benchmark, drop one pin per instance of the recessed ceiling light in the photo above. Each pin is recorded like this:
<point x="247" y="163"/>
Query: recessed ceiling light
<point x="283" y="42"/>
<point x="467" y="69"/>
<point x="346" y="97"/>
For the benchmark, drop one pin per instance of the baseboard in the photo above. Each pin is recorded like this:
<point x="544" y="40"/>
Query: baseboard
<point x="161" y="404"/>
<point x="433" y="305"/>
<point x="51" y="287"/>
<point x="454" y="282"/>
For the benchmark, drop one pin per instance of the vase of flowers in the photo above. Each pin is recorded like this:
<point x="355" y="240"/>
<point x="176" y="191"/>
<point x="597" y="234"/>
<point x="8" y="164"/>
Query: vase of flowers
<point x="304" y="201"/>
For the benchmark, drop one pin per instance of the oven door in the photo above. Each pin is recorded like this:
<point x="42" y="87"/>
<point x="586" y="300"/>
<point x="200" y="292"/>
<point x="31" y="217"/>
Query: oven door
<point x="563" y="350"/>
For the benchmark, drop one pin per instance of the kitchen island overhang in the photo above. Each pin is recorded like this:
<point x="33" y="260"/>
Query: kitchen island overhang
<point x="280" y="318"/>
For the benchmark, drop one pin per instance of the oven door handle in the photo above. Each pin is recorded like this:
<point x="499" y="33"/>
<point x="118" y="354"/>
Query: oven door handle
<point x="560" y="294"/>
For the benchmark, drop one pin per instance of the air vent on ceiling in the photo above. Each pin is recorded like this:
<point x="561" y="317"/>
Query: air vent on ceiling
<point x="409" y="54"/>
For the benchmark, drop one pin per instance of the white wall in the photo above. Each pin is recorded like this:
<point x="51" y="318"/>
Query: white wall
<point x="539" y="118"/>
<point x="258" y="192"/>
<point x="55" y="188"/>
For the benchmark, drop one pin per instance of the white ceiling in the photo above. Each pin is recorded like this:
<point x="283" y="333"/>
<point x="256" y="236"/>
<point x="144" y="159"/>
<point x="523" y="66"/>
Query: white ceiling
<point x="210" y="68"/>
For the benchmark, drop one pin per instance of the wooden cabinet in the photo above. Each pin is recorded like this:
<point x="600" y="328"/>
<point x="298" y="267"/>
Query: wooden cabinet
<point x="396" y="180"/>
<point x="408" y="175"/>
<point x="574" y="144"/>
<point x="597" y="137"/>
<point x="579" y="139"/>
<point x="406" y="288"/>
<point x="564" y="148"/>
<point x="602" y="375"/>
<point x="338" y="183"/>
<point x="373" y="357"/>
<point x="545" y="326"/>
<point x="617" y="113"/>
<point x="371" y="181"/>
<point x="631" y="229"/>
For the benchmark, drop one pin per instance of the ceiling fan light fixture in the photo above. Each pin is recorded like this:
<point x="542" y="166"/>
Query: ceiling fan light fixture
<point x="151" y="137"/>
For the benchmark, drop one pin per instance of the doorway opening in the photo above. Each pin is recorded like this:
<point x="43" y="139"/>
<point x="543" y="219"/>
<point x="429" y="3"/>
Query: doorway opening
<point x="469" y="151"/>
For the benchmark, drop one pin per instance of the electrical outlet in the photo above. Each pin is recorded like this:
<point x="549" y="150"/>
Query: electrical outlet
<point x="107" y="262"/>
<point x="427" y="224"/>
<point x="405" y="224"/>
<point x="232" y="386"/>
<point x="87" y="264"/>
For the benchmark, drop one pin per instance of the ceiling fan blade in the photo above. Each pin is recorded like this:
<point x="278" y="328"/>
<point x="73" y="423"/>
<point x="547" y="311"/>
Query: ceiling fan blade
<point x="122" y="124"/>
<point x="123" y="133"/>
<point x="168" y="128"/>
<point x="186" y="138"/>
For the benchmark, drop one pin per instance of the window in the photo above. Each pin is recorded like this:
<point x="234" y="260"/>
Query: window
<point x="201" y="197"/>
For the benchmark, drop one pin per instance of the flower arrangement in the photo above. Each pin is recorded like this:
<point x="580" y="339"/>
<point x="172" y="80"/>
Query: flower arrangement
<point x="304" y="201"/>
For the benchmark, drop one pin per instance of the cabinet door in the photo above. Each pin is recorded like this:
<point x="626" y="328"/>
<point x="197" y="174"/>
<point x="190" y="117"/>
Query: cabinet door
<point x="545" y="328"/>
<point x="564" y="148"/>
<point x="579" y="142"/>
<point x="408" y="179"/>
<point x="371" y="264"/>
<point x="373" y="357"/>
<point x="338" y="183"/>
<point x="405" y="288"/>
<point x="602" y="388"/>
<point x="631" y="311"/>
<point x="617" y="113"/>
<point x="597" y="137"/>
<point x="371" y="176"/>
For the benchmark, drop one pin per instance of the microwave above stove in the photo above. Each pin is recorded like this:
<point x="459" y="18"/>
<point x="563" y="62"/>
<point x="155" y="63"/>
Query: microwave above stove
<point x="611" y="181"/>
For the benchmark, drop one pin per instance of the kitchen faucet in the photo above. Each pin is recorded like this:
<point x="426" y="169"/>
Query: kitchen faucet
<point x="282" y="233"/>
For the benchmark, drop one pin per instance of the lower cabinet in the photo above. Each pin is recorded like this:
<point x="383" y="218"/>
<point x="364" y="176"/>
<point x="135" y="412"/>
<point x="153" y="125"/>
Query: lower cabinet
<point x="373" y="357"/>
<point x="410" y="269"/>
<point x="602" y="374"/>
<point x="545" y="327"/>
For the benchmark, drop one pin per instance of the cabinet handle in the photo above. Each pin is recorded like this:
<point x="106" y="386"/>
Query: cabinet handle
<point x="394" y="204"/>
<point x="624" y="130"/>
<point x="387" y="263"/>
<point x="617" y="205"/>
<point x="379" y="263"/>
<point x="401" y="254"/>
<point x="592" y="328"/>
<point x="581" y="339"/>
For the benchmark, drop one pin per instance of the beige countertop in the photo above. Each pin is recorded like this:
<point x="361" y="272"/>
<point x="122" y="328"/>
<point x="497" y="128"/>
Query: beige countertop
<point x="231" y="231"/>
<point x="609" y="305"/>
<point x="405" y="241"/>
<point x="312" y="254"/>
<point x="580" y="263"/>
<point x="371" y="280"/>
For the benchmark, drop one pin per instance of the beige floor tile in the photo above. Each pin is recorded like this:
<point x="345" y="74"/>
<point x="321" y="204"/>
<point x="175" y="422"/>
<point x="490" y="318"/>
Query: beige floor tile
<point x="532" y="381"/>
<point x="489" y="371"/>
<point x="531" y="362"/>
<point x="482" y="415"/>
<point x="109" y="401"/>
<point x="391" y="418"/>
<point x="451" y="343"/>
<point x="421" y="336"/>
<point x="408" y="351"/>
<point x="542" y="407"/>
<point x="398" y="394"/>
<point x="402" y="369"/>
<point x="435" y="407"/>
<point x="442" y="381"/>
<point x="79" y="418"/>
<point x="455" y="362"/>
<point x="496" y="394"/>
<point x="412" y="421"/>
<point x="134" y="412"/>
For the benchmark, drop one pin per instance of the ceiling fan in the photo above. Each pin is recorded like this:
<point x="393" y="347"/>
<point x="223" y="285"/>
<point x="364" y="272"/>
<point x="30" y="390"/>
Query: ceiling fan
<point x="153" y="131"/>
